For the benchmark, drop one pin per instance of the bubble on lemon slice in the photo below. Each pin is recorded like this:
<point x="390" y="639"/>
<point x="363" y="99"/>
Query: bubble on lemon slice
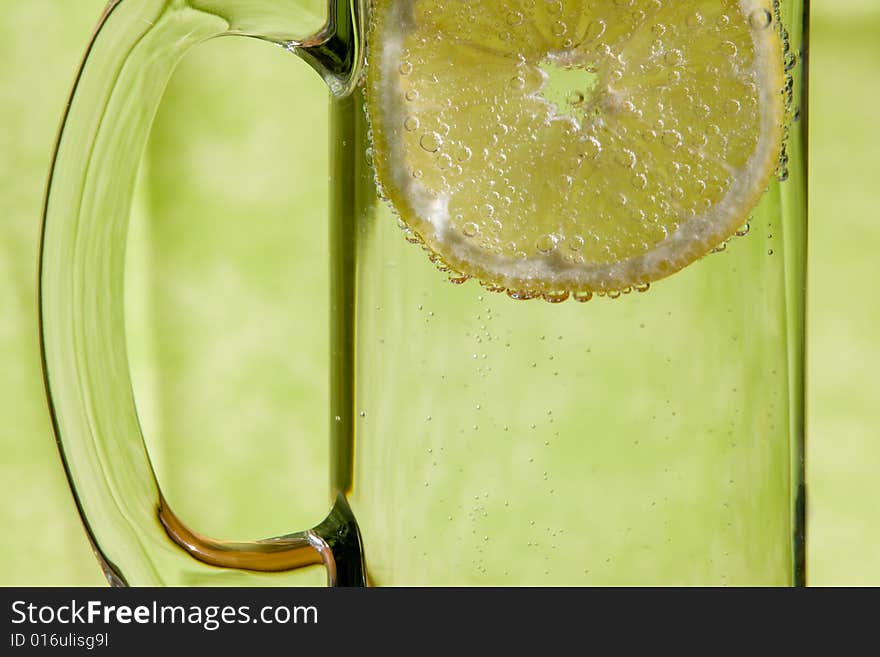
<point x="565" y="147"/>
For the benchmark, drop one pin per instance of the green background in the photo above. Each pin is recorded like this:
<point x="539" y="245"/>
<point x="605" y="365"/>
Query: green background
<point x="229" y="246"/>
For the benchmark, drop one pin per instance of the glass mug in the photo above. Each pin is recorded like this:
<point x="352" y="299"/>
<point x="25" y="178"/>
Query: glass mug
<point x="652" y="439"/>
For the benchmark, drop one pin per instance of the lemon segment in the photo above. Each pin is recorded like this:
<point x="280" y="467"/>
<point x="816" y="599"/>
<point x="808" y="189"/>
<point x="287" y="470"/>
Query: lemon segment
<point x="569" y="147"/>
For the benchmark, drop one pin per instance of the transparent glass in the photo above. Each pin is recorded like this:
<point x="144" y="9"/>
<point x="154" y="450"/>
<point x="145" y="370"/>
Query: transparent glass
<point x="651" y="438"/>
<point x="136" y="47"/>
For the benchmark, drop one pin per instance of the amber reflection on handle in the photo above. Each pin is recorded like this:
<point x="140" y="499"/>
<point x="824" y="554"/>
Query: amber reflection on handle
<point x="271" y="555"/>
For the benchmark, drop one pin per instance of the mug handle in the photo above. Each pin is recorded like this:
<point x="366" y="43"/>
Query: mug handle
<point x="128" y="63"/>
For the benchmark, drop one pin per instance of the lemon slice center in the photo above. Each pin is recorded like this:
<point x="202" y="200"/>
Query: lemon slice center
<point x="569" y="88"/>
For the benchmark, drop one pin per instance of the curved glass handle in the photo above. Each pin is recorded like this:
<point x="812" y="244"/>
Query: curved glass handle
<point x="133" y="53"/>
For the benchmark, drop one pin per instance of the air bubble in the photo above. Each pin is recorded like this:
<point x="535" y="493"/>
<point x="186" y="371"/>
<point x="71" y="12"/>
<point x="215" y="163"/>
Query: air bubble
<point x="626" y="158"/>
<point x="760" y="19"/>
<point x="522" y="295"/>
<point x="411" y="124"/>
<point x="547" y="243"/>
<point x="672" y="139"/>
<point x="694" y="20"/>
<point x="594" y="30"/>
<point x="431" y="142"/>
<point x="673" y="57"/>
<point x="732" y="107"/>
<point x="470" y="229"/>
<point x="591" y="148"/>
<point x="405" y="68"/>
<point x="555" y="297"/>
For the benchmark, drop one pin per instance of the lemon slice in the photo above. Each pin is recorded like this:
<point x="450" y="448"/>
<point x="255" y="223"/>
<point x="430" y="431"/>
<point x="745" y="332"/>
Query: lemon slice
<point x="558" y="147"/>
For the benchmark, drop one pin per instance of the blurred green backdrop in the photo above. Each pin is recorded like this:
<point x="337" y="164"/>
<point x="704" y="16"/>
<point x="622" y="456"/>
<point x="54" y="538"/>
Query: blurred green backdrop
<point x="240" y="142"/>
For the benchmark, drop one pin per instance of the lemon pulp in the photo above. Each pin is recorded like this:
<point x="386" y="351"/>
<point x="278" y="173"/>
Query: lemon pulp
<point x="557" y="147"/>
